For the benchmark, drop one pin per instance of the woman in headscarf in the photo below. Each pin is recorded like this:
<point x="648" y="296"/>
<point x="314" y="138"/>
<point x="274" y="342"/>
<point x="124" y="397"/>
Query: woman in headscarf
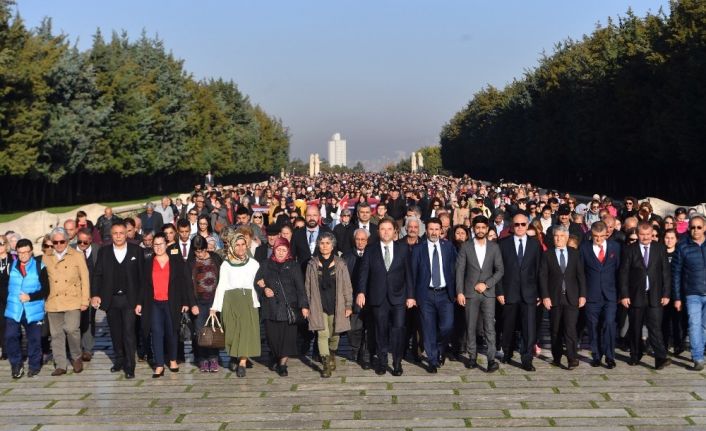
<point x="281" y="288"/>
<point x="330" y="295"/>
<point x="237" y="301"/>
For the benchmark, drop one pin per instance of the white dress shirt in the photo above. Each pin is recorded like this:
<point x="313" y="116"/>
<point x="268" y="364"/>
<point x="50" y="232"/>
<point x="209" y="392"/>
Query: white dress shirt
<point x="120" y="253"/>
<point x="480" y="251"/>
<point x="517" y="244"/>
<point x="430" y="246"/>
<point x="391" y="249"/>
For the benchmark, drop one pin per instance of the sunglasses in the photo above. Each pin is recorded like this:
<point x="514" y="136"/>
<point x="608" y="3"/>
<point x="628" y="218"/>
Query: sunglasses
<point x="520" y="224"/>
<point x="192" y="214"/>
<point x="2" y="244"/>
<point x="62" y="242"/>
<point x="84" y="242"/>
<point x="696" y="227"/>
<point x="254" y="217"/>
<point x="47" y="246"/>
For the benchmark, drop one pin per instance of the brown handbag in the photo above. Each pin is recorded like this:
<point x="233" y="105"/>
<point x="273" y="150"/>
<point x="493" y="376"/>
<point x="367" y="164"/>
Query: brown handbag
<point x="212" y="336"/>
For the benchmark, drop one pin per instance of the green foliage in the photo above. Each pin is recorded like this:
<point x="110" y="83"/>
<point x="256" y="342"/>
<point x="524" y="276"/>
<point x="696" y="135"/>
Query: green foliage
<point x="598" y="113"/>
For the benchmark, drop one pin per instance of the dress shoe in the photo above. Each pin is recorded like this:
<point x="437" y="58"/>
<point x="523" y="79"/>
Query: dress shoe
<point x="32" y="373"/>
<point x="157" y="375"/>
<point x="365" y="365"/>
<point x="116" y="368"/>
<point x="240" y="371"/>
<point x="78" y="365"/>
<point x="633" y="361"/>
<point x="174" y="369"/>
<point x="129" y="375"/>
<point x="233" y="365"/>
<point x="282" y="370"/>
<point x="595" y="363"/>
<point x="397" y="370"/>
<point x="86" y="356"/>
<point x="472" y="363"/>
<point x="442" y="360"/>
<point x="573" y="363"/>
<point x="698" y="366"/>
<point x="678" y="351"/>
<point x="662" y="362"/>
<point x="380" y="370"/>
<point x="527" y="366"/>
<point x="248" y="363"/>
<point x="18" y="372"/>
<point x="493" y="367"/>
<point x="610" y="363"/>
<point x="3" y="357"/>
<point x="431" y="369"/>
<point x="556" y="362"/>
<point x="506" y="359"/>
<point x="58" y="372"/>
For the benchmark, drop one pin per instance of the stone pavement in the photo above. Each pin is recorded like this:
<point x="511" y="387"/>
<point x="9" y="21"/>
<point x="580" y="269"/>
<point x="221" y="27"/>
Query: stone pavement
<point x="626" y="398"/>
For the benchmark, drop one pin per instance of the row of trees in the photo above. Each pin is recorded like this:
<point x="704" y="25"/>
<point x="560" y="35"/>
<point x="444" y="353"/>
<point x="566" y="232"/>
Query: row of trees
<point x="621" y="111"/>
<point x="120" y="117"/>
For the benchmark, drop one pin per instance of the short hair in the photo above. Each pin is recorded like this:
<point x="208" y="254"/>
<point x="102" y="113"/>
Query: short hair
<point x="436" y="220"/>
<point x="59" y="231"/>
<point x="24" y="242"/>
<point x="168" y="226"/>
<point x="480" y="219"/>
<point x="697" y="216"/>
<point x="599" y="226"/>
<point x="415" y="209"/>
<point x="120" y="223"/>
<point x="199" y="243"/>
<point x="148" y="233"/>
<point x="386" y="220"/>
<point x="183" y="223"/>
<point x="129" y="221"/>
<point x="363" y="205"/>
<point x="85" y="231"/>
<point x="326" y="235"/>
<point x="412" y="219"/>
<point x="644" y="225"/>
<point x="242" y="210"/>
<point x="560" y="228"/>
<point x="365" y="231"/>
<point x="160" y="235"/>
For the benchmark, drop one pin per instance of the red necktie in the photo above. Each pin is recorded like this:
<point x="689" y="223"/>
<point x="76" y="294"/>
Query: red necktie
<point x="183" y="245"/>
<point x="601" y="254"/>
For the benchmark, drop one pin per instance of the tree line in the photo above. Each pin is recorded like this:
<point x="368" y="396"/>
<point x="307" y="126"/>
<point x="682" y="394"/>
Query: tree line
<point x="621" y="111"/>
<point x="120" y="118"/>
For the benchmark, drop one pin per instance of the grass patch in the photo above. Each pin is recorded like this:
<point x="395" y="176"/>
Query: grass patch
<point x="492" y="384"/>
<point x="296" y="408"/>
<point x="606" y="396"/>
<point x="326" y="424"/>
<point x="188" y="388"/>
<point x="555" y="390"/>
<point x="457" y="392"/>
<point x="270" y="380"/>
<point x="467" y="423"/>
<point x="82" y="412"/>
<point x="457" y="406"/>
<point x="51" y="404"/>
<point x="343" y="379"/>
<point x="696" y="396"/>
<point x="37" y="427"/>
<point x="357" y="415"/>
<point x="594" y="404"/>
<point x="575" y="383"/>
<point x="263" y="394"/>
<point x="179" y="418"/>
<point x="524" y="404"/>
<point x="389" y="386"/>
<point x="394" y="399"/>
<point x="506" y="412"/>
<point x="153" y="403"/>
<point x="168" y="410"/>
<point x="689" y="420"/>
<point x="293" y="388"/>
<point x="631" y="412"/>
<point x="223" y="426"/>
<point x="552" y="422"/>
<point x="362" y="393"/>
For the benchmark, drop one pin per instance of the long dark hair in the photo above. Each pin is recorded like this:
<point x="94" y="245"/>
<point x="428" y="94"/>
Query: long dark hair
<point x="209" y="229"/>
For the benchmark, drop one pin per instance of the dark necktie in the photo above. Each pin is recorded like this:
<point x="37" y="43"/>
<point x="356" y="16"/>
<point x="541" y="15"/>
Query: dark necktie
<point x="562" y="265"/>
<point x="435" y="269"/>
<point x="646" y="256"/>
<point x="520" y="252"/>
<point x="183" y="247"/>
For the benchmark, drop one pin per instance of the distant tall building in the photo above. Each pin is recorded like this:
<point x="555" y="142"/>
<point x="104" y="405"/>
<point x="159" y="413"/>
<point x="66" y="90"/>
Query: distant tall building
<point x="337" y="150"/>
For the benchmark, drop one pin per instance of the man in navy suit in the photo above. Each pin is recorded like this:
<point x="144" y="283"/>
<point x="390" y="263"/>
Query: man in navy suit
<point x="518" y="290"/>
<point x="433" y="279"/>
<point x="601" y="261"/>
<point x="383" y="285"/>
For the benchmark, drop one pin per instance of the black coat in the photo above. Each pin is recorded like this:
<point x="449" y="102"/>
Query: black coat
<point x="551" y="277"/>
<point x="178" y="292"/>
<point x="519" y="282"/>
<point x="633" y="275"/>
<point x="286" y="281"/>
<point x="343" y="235"/>
<point x="379" y="284"/>
<point x="300" y="246"/>
<point x="103" y="278"/>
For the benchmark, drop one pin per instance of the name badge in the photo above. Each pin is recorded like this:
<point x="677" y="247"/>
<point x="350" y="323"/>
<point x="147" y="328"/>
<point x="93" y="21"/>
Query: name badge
<point x="174" y="251"/>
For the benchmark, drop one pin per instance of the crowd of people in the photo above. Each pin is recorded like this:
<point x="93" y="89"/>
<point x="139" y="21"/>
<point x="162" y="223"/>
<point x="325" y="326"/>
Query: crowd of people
<point x="427" y="268"/>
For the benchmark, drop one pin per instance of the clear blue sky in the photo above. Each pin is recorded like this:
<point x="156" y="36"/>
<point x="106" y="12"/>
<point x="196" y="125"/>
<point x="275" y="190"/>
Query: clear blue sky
<point x="386" y="74"/>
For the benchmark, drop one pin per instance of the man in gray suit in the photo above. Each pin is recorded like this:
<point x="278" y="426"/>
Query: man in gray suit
<point x="479" y="267"/>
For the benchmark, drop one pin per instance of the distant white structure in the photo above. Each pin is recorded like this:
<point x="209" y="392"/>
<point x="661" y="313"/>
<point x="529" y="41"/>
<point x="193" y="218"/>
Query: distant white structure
<point x="414" y="162"/>
<point x="312" y="165"/>
<point x="337" y="150"/>
<point x="420" y="161"/>
<point x="317" y="164"/>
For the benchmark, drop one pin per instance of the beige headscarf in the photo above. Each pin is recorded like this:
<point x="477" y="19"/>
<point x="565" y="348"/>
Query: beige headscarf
<point x="230" y="250"/>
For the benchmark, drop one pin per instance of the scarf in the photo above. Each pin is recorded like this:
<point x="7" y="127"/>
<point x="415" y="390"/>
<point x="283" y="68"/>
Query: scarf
<point x="281" y="242"/>
<point x="230" y="253"/>
<point x="326" y="282"/>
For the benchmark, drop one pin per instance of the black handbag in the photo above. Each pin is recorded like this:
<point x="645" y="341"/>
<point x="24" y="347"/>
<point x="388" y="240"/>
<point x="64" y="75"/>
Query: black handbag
<point x="212" y="336"/>
<point x="292" y="317"/>
<point x="186" y="331"/>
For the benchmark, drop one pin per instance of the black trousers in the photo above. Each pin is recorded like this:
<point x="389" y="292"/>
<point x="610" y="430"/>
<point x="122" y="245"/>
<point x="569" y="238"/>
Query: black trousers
<point x="362" y="336"/>
<point x="414" y="336"/>
<point x="652" y="317"/>
<point x="121" y="320"/>
<point x="525" y="315"/>
<point x="562" y="321"/>
<point x="389" y="331"/>
<point x="675" y="325"/>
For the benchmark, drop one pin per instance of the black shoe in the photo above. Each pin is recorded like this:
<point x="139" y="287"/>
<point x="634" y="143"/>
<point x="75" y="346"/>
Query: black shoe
<point x="416" y="358"/>
<point x="129" y="375"/>
<point x="380" y="370"/>
<point x="233" y="365"/>
<point x="174" y="370"/>
<point x="678" y="351"/>
<point x="248" y="363"/>
<point x="18" y="372"/>
<point x="3" y="357"/>
<point x="556" y="362"/>
<point x="116" y="368"/>
<point x="493" y="367"/>
<point x="472" y="363"/>
<point x="442" y="360"/>
<point x="573" y="363"/>
<point x="610" y="363"/>
<point x="282" y="370"/>
<point x="662" y="362"/>
<point x="595" y="363"/>
<point x="397" y="370"/>
<point x="431" y="369"/>
<point x="365" y="365"/>
<point x="527" y="366"/>
<point x="240" y="371"/>
<point x="32" y="373"/>
<point x="633" y="361"/>
<point x="506" y="359"/>
<point x="158" y="375"/>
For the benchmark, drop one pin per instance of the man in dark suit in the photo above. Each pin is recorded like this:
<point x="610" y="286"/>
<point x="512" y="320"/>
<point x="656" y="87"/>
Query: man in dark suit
<point x="433" y="280"/>
<point x="563" y="219"/>
<point x="88" y="317"/>
<point x="601" y="260"/>
<point x="343" y="231"/>
<point x="117" y="284"/>
<point x="360" y="336"/>
<point x="645" y="288"/>
<point x="151" y="219"/>
<point x="304" y="240"/>
<point x="383" y="285"/>
<point x="479" y="268"/>
<point x="364" y="221"/>
<point x="562" y="284"/>
<point x="264" y="250"/>
<point x="518" y="291"/>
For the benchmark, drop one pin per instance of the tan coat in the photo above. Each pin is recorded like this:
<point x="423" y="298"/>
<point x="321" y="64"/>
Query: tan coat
<point x="69" y="282"/>
<point x="344" y="296"/>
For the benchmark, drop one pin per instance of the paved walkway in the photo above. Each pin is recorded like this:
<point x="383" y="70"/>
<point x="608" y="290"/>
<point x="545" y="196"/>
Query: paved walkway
<point x="626" y="398"/>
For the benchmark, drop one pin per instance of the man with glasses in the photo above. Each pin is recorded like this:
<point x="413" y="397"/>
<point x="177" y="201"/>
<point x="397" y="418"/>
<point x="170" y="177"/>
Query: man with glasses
<point x="689" y="282"/>
<point x="518" y="291"/>
<point x="343" y="231"/>
<point x="69" y="294"/>
<point x="88" y="317"/>
<point x="563" y="219"/>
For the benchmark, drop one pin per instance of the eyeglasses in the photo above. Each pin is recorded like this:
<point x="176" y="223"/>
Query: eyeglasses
<point x="520" y="224"/>
<point x="47" y="246"/>
<point x="63" y="241"/>
<point x="628" y="203"/>
<point x="696" y="227"/>
<point x="192" y="214"/>
<point x="84" y="242"/>
<point x="254" y="217"/>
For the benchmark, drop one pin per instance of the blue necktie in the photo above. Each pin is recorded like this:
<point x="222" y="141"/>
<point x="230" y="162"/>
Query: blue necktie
<point x="435" y="269"/>
<point x="520" y="252"/>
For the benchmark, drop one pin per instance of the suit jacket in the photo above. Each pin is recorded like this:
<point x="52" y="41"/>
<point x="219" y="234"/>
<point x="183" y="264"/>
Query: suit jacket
<point x="180" y="291"/>
<point x="520" y="281"/>
<point x="157" y="220"/>
<point x="372" y="228"/>
<point x="469" y="272"/>
<point x="261" y="252"/>
<point x="551" y="278"/>
<point x="379" y="284"/>
<point x="601" y="279"/>
<point x="574" y="229"/>
<point x="300" y="246"/>
<point x="421" y="269"/>
<point x="343" y="235"/>
<point x="104" y="274"/>
<point x="634" y="275"/>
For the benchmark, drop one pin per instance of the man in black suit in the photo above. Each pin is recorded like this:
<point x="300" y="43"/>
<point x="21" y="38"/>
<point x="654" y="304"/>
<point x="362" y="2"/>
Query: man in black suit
<point x="645" y="288"/>
<point x="361" y="335"/>
<point x="383" y="285"/>
<point x="304" y="240"/>
<point x="343" y="231"/>
<point x="562" y="283"/>
<point x="363" y="221"/>
<point x="84" y="239"/>
<point x="117" y="282"/>
<point x="518" y="290"/>
<point x="264" y="250"/>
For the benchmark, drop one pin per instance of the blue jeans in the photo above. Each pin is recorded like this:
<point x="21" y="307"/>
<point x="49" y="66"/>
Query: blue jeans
<point x="163" y="332"/>
<point x="696" y="309"/>
<point x="34" y="342"/>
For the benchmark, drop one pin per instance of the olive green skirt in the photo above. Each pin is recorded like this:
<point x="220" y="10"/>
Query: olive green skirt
<point x="241" y="323"/>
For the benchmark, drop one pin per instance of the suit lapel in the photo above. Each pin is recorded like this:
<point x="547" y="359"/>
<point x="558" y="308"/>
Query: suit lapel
<point x="474" y="255"/>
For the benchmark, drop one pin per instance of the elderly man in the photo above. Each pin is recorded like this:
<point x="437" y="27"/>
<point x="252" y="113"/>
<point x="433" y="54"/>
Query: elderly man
<point x="69" y="292"/>
<point x="151" y="220"/>
<point x="165" y="209"/>
<point x="70" y="228"/>
<point x="88" y="317"/>
<point x="105" y="222"/>
<point x="361" y="336"/>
